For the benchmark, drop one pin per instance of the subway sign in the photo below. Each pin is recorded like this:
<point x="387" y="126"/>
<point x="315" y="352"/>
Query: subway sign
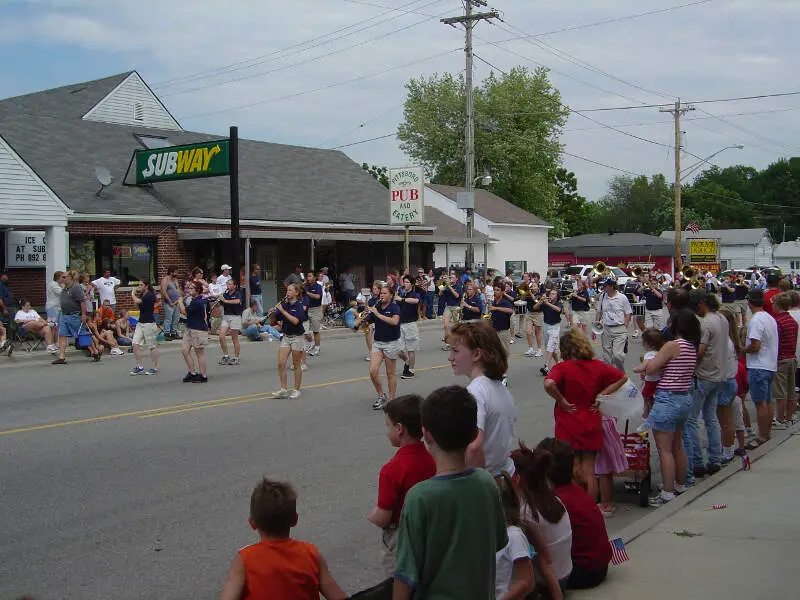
<point x="207" y="159"/>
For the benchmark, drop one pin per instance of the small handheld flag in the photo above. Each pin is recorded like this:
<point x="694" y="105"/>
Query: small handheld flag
<point x="719" y="506"/>
<point x="692" y="227"/>
<point x="618" y="553"/>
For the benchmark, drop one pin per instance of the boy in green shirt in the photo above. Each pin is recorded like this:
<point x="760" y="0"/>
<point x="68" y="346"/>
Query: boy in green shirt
<point x="452" y="525"/>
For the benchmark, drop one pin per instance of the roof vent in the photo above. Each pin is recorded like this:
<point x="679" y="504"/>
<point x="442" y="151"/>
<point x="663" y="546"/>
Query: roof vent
<point x="138" y="112"/>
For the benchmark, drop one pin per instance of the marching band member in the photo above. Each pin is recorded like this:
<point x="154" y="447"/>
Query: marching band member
<point x="653" y="305"/>
<point x="386" y="348"/>
<point x="511" y="295"/>
<point x="314" y="292"/>
<point x="551" y="315"/>
<point x="369" y="329"/>
<point x="741" y="289"/>
<point x="291" y="314"/>
<point x="409" y="300"/>
<point x="727" y="292"/>
<point x="614" y="312"/>
<point x="580" y="307"/>
<point x="471" y="303"/>
<point x="533" y="318"/>
<point x="451" y="295"/>
<point x="501" y="311"/>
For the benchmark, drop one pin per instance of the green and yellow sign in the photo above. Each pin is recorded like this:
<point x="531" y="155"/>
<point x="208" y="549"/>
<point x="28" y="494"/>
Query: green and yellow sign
<point x="207" y="159"/>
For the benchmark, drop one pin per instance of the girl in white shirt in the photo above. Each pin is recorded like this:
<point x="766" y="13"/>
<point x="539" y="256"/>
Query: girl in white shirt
<point x="513" y="565"/>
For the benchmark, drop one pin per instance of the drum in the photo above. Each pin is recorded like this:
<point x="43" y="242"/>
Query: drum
<point x="520" y="307"/>
<point x="638" y="309"/>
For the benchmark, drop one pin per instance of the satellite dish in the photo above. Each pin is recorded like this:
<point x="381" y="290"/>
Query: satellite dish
<point x="104" y="178"/>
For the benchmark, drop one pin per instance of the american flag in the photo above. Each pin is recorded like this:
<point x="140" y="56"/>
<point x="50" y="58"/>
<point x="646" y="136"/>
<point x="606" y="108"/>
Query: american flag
<point x="618" y="553"/>
<point x="692" y="227"/>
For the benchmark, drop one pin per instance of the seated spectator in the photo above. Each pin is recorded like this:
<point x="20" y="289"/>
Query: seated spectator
<point x="123" y="332"/>
<point x="350" y="315"/>
<point x="102" y="336"/>
<point x="3" y="340"/>
<point x="591" y="551"/>
<point x="29" y="321"/>
<point x="253" y="325"/>
<point x="106" y="311"/>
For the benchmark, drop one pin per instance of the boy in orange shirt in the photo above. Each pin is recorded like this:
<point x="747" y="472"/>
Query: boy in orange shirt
<point x="278" y="566"/>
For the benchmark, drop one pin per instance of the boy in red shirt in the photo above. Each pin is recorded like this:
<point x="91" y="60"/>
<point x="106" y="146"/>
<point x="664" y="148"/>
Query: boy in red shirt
<point x="278" y="566"/>
<point x="411" y="464"/>
<point x="783" y="385"/>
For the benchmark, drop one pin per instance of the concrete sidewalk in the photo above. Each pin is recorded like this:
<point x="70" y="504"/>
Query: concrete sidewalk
<point x="686" y="550"/>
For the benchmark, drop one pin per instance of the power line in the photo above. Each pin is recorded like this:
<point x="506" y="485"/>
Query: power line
<point x="742" y="129"/>
<point x="389" y="8"/>
<point x="243" y="64"/>
<point x="329" y="139"/>
<point x="380" y="137"/>
<point x="321" y="88"/>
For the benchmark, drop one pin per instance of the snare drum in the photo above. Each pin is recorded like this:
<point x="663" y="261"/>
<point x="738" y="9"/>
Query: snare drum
<point x="520" y="307"/>
<point x="638" y="309"/>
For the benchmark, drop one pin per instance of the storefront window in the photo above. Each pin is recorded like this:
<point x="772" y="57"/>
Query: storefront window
<point x="130" y="259"/>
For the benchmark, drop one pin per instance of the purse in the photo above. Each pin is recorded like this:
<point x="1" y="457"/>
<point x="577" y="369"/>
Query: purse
<point x="83" y="339"/>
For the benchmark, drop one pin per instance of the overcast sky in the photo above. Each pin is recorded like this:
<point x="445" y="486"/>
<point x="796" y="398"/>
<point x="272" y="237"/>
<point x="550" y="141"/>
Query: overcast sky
<point x="332" y="72"/>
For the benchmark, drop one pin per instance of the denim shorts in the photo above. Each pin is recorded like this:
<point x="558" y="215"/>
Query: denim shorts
<point x="727" y="392"/>
<point x="670" y="411"/>
<point x="760" y="381"/>
<point x="69" y="325"/>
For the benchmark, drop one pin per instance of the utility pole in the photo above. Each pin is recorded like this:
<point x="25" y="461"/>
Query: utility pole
<point x="468" y="19"/>
<point x="677" y="111"/>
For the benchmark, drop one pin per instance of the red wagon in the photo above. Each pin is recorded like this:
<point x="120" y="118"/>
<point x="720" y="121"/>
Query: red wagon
<point x="638" y="476"/>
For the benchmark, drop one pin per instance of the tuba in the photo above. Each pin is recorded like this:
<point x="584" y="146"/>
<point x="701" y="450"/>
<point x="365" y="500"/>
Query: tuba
<point x="697" y="284"/>
<point x="688" y="272"/>
<point x="444" y="283"/>
<point x="637" y="271"/>
<point x="524" y="290"/>
<point x="600" y="269"/>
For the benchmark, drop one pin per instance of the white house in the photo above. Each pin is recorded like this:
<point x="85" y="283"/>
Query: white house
<point x="517" y="238"/>
<point x="787" y="256"/>
<point x="738" y="248"/>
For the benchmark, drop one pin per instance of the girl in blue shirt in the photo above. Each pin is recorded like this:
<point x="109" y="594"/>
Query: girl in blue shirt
<point x="196" y="335"/>
<point x="290" y="314"/>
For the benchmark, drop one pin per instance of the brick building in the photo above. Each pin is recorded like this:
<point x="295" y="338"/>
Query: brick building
<point x="297" y="204"/>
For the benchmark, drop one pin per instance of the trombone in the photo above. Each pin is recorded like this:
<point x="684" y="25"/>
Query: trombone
<point x="444" y="283"/>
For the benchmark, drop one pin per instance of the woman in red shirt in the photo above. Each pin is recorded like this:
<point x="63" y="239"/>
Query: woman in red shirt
<point x="575" y="385"/>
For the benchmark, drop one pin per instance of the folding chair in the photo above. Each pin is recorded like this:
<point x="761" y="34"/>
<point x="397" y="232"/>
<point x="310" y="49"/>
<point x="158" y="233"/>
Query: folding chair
<point x="29" y="342"/>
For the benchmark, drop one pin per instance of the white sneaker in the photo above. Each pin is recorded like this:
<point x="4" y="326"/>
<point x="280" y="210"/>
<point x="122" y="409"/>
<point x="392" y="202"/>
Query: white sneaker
<point x="52" y="348"/>
<point x="294" y="394"/>
<point x="314" y="351"/>
<point x="662" y="499"/>
<point x="530" y="352"/>
<point x="539" y="353"/>
<point x="281" y="393"/>
<point x="680" y="489"/>
<point x="367" y="358"/>
<point x="511" y="341"/>
<point x="114" y="351"/>
<point x="303" y="367"/>
<point x="635" y="333"/>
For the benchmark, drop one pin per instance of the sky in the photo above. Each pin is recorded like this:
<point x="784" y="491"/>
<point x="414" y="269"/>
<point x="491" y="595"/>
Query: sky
<point x="332" y="73"/>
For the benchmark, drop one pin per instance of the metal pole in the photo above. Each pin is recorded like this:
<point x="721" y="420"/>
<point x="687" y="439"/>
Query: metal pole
<point x="311" y="263"/>
<point x="405" y="249"/>
<point x="678" y="182"/>
<point x="247" y="271"/>
<point x="233" y="158"/>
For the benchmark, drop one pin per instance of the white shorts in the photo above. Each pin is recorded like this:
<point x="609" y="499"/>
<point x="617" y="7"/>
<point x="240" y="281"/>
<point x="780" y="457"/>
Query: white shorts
<point x="295" y="343"/>
<point x="145" y="335"/>
<point x="233" y="322"/>
<point x="580" y="317"/>
<point x="655" y="319"/>
<point x="551" y="336"/>
<point x="315" y="318"/>
<point x="409" y="336"/>
<point x="390" y="350"/>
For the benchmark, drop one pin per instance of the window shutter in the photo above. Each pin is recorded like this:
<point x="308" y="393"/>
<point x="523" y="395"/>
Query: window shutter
<point x="138" y="112"/>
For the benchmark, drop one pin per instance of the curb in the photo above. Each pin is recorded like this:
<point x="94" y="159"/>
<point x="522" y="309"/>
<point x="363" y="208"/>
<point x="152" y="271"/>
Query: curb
<point x="649" y="522"/>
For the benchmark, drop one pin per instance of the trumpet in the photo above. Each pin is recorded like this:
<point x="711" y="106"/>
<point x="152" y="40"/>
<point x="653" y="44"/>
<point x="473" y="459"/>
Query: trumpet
<point x="444" y="283"/>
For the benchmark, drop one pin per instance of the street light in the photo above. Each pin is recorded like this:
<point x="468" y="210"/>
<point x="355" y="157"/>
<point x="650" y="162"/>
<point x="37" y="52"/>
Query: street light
<point x="695" y="166"/>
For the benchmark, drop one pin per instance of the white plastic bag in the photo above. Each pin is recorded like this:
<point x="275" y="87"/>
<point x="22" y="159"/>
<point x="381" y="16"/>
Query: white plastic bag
<point x="625" y="403"/>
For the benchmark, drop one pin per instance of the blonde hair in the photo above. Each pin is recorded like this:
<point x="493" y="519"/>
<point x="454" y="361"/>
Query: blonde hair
<point x="575" y="346"/>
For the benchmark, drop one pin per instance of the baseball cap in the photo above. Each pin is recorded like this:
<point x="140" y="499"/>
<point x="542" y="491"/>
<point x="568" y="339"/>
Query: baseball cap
<point x="608" y="281"/>
<point x="225" y="266"/>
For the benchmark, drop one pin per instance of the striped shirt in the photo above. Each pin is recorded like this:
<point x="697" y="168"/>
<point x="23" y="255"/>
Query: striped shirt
<point x="787" y="335"/>
<point x="678" y="372"/>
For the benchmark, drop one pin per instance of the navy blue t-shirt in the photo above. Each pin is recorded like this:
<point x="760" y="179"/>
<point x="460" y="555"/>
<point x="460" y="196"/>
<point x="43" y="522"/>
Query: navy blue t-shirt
<point x="232" y="309"/>
<point x="740" y="292"/>
<point x="146" y="308"/>
<point x="298" y="311"/>
<point x="408" y="311"/>
<point x="653" y="302"/>
<point x="580" y="303"/>
<point x="383" y="331"/>
<point x="470" y="315"/>
<point x="501" y="320"/>
<point x="372" y="300"/>
<point x="255" y="285"/>
<point x="550" y="315"/>
<point x="728" y="296"/>
<point x="196" y="314"/>
<point x="450" y="298"/>
<point x="315" y="288"/>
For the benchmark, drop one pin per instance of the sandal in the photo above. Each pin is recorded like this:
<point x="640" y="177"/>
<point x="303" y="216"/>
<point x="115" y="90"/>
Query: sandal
<point x="755" y="443"/>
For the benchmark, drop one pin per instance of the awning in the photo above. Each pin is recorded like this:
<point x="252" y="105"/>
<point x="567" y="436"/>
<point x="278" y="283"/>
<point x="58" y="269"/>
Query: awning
<point x="389" y="236"/>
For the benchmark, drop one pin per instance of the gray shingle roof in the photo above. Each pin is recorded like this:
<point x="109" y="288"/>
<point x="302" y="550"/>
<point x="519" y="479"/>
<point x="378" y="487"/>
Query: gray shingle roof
<point x="276" y="182"/>
<point x="492" y="207"/>
<point x="726" y="237"/>
<point x="618" y="244"/>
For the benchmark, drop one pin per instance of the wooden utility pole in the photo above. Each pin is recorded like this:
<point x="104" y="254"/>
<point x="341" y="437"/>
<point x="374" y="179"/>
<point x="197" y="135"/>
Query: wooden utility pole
<point x="677" y="111"/>
<point x="468" y="19"/>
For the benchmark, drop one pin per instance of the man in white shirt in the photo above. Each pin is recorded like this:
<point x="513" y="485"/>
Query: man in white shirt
<point x="223" y="279"/>
<point x="614" y="312"/>
<point x="105" y="287"/>
<point x="762" y="362"/>
<point x="29" y="321"/>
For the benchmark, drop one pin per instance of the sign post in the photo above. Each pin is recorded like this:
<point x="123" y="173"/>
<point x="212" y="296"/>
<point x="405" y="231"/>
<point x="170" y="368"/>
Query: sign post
<point x="406" y="202"/>
<point x="233" y="169"/>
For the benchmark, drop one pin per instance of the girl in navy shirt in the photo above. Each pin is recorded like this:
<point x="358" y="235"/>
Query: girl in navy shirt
<point x="290" y="316"/>
<point x="386" y="346"/>
<point x="196" y="335"/>
<point x="471" y="303"/>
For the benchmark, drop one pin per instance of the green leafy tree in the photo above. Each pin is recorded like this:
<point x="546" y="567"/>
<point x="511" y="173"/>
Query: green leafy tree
<point x="570" y="206"/>
<point x="633" y="204"/>
<point x="518" y="118"/>
<point x="381" y="174"/>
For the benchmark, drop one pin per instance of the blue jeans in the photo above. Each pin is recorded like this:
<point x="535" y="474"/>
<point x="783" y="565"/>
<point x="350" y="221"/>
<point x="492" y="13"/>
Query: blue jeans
<point x="254" y="331"/>
<point x="172" y="315"/>
<point x="430" y="299"/>
<point x="760" y="381"/>
<point x="260" y="301"/>
<point x="704" y="400"/>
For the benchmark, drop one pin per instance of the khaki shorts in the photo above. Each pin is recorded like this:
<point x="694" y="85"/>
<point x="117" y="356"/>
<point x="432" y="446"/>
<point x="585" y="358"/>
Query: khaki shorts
<point x="409" y="336"/>
<point x="655" y="319"/>
<point x="449" y="313"/>
<point x="741" y="305"/>
<point x="315" y="318"/>
<point x="580" y="317"/>
<point x="295" y="343"/>
<point x="145" y="335"/>
<point x="552" y="335"/>
<point x="783" y="383"/>
<point x="505" y="337"/>
<point x="233" y="322"/>
<point x="195" y="338"/>
<point x="536" y="318"/>
<point x="390" y="350"/>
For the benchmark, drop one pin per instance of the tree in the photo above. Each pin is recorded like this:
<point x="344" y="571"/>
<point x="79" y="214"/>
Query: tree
<point x="381" y="174"/>
<point x="633" y="204"/>
<point x="570" y="207"/>
<point x="518" y="118"/>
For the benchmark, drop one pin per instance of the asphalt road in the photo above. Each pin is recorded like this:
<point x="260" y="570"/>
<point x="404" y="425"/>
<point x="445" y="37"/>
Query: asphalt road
<point x="114" y="486"/>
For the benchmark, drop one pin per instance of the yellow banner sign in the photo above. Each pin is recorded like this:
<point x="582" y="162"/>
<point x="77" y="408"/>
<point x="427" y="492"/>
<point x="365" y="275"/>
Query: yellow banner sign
<point x="703" y="251"/>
